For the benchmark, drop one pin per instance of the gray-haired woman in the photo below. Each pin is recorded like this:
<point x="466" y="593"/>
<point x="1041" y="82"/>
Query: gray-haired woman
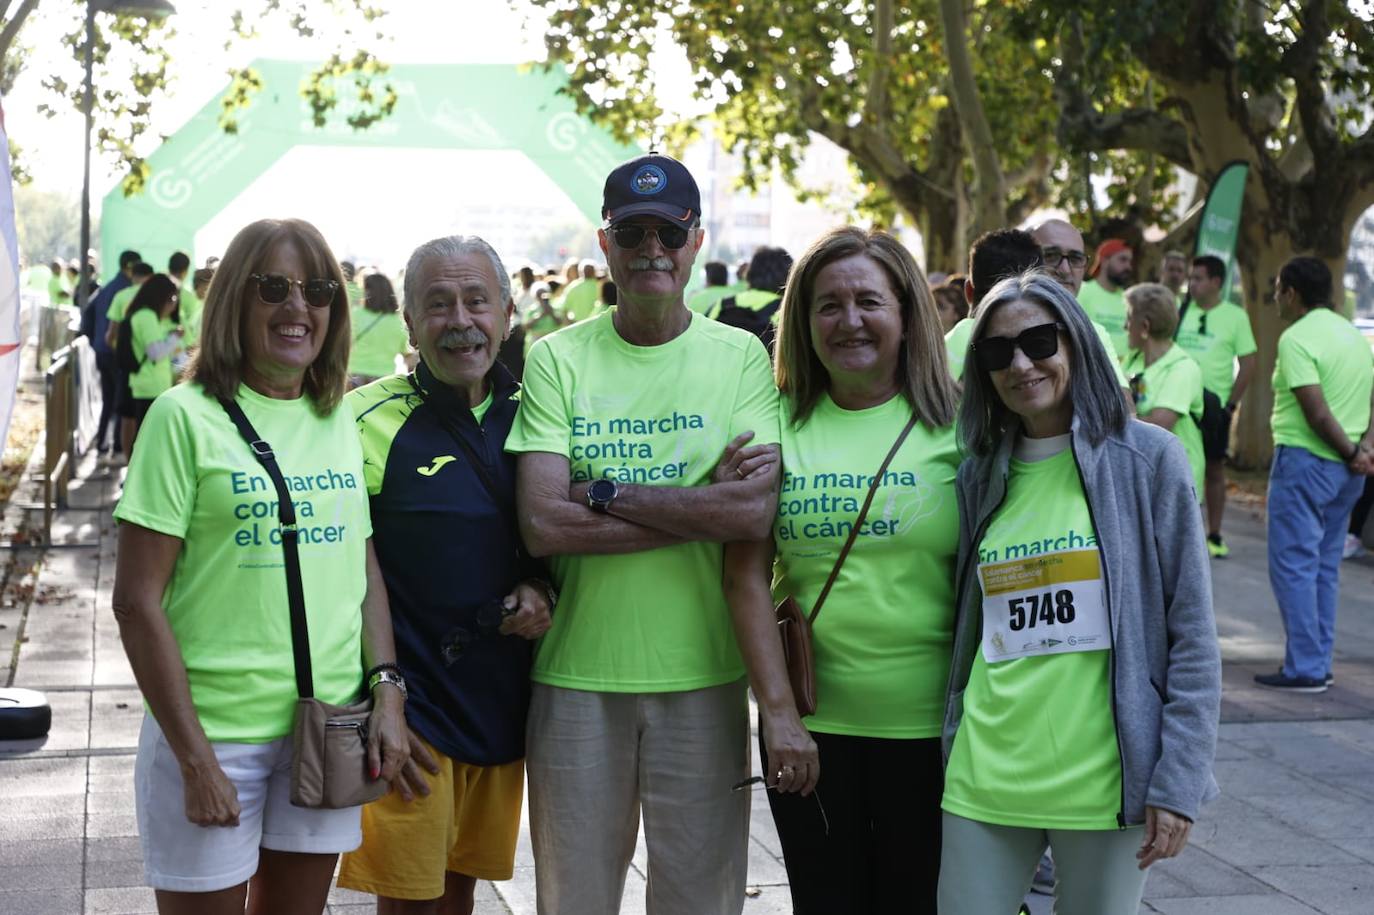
<point x="1086" y="680"/>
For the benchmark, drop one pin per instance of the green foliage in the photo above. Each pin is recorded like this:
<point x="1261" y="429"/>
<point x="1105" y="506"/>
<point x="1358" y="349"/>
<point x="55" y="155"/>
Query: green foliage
<point x="131" y="64"/>
<point x="771" y="74"/>
<point x="48" y="224"/>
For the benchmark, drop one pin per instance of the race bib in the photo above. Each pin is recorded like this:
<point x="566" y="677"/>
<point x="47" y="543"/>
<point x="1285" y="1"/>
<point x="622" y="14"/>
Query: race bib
<point x="1047" y="604"/>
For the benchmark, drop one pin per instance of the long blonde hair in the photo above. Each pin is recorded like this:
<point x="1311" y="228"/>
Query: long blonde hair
<point x="922" y="366"/>
<point x="218" y="363"/>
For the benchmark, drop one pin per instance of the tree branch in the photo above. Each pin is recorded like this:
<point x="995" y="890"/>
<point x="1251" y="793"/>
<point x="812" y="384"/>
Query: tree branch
<point x="990" y="192"/>
<point x="1083" y="128"/>
<point x="15" y="23"/>
<point x="1302" y="63"/>
<point x="877" y="105"/>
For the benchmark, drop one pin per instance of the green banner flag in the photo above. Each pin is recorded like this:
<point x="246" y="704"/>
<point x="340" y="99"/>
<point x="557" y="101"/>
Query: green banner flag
<point x="1221" y="219"/>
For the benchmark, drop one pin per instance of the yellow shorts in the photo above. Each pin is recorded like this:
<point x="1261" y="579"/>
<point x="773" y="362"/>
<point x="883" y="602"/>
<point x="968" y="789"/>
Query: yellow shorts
<point x="468" y="824"/>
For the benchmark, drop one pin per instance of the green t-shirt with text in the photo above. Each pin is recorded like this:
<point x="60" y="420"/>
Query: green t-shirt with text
<point x="655" y="620"/>
<point x="1173" y="382"/>
<point x="1107" y="309"/>
<point x="1036" y="746"/>
<point x="378" y="338"/>
<point x="193" y="477"/>
<point x="154" y="375"/>
<point x="120" y="303"/>
<point x="1325" y="349"/>
<point x="1215" y="339"/>
<point x="882" y="640"/>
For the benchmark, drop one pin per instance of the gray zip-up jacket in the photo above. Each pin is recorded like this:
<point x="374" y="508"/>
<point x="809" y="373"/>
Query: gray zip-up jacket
<point x="1166" y="666"/>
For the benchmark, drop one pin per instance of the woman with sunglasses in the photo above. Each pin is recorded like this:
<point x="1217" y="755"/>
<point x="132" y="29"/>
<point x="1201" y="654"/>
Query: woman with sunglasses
<point x="1085" y="685"/>
<point x="200" y="588"/>
<point x="379" y="334"/>
<point x="860" y="364"/>
<point x="152" y="337"/>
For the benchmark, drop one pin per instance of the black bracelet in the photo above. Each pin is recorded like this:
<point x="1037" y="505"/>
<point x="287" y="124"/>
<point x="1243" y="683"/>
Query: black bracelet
<point x="385" y="665"/>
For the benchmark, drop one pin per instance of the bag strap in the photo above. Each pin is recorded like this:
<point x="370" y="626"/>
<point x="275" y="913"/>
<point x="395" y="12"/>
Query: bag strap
<point x="479" y="467"/>
<point x="858" y="523"/>
<point x="1182" y="310"/>
<point x="286" y="515"/>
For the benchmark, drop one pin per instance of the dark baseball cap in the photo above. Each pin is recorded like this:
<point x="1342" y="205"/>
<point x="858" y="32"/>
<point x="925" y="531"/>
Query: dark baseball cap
<point x="655" y="184"/>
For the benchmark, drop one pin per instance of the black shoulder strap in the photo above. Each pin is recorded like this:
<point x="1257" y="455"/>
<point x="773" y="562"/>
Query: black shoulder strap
<point x="286" y="515"/>
<point x="1182" y="310"/>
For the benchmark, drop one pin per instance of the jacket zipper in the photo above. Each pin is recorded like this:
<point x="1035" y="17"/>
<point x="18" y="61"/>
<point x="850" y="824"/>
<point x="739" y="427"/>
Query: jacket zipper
<point x="1111" y="635"/>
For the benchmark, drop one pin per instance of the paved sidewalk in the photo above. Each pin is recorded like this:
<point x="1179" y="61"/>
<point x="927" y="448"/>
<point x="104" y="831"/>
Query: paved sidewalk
<point x="1293" y="833"/>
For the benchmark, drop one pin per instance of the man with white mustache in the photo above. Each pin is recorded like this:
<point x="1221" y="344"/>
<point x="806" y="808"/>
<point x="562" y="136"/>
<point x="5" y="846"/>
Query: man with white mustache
<point x="647" y="438"/>
<point x="466" y="601"/>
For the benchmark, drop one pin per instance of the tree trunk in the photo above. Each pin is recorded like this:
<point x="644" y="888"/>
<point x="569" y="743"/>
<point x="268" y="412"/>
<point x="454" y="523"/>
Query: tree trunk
<point x="989" y="184"/>
<point x="1260" y="256"/>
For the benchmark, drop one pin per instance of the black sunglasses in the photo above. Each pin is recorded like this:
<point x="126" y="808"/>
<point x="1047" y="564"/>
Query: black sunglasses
<point x="1038" y="342"/>
<point x="488" y="619"/>
<point x="632" y="236"/>
<point x="1053" y="256"/>
<point x="273" y="289"/>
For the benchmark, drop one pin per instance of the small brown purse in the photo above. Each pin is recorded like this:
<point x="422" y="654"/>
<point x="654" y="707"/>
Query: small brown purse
<point x="794" y="627"/>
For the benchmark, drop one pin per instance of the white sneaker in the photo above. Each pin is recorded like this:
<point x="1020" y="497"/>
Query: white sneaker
<point x="1353" y="547"/>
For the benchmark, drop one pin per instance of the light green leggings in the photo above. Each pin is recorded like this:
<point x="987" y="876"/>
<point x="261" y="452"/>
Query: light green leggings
<point x="986" y="869"/>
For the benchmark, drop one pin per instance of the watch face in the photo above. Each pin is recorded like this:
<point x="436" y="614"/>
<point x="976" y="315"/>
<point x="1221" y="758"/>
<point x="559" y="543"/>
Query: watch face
<point x="602" y="491"/>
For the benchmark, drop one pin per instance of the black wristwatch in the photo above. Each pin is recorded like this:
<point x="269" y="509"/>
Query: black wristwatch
<point x="601" y="494"/>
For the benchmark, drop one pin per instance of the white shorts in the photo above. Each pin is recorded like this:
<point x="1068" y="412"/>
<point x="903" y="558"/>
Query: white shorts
<point x="183" y="857"/>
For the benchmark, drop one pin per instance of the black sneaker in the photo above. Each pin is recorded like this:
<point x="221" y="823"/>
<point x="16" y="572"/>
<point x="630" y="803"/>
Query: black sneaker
<point x="1291" y="684"/>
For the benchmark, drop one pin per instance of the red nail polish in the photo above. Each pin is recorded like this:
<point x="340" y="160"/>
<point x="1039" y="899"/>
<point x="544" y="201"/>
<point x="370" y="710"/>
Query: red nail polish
<point x="375" y="772"/>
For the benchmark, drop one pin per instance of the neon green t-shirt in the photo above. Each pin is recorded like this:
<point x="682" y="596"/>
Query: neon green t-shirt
<point x="1215" y="339"/>
<point x="703" y="300"/>
<point x="120" y="303"/>
<point x="1107" y="309"/>
<point x="956" y="345"/>
<point x="882" y="641"/>
<point x="190" y="306"/>
<point x="378" y="338"/>
<point x="577" y="299"/>
<point x="193" y="477"/>
<point x="957" y="340"/>
<point x="58" y="293"/>
<point x="1037" y="742"/>
<point x="154" y="375"/>
<point x="750" y="300"/>
<point x="1173" y="382"/>
<point x="1322" y="348"/>
<point x="659" y="415"/>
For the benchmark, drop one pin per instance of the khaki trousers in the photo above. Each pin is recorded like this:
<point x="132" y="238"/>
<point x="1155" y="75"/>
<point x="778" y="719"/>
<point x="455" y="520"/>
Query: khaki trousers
<point x="595" y="760"/>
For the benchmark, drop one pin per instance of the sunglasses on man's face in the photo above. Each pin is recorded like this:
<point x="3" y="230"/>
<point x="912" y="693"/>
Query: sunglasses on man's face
<point x="1038" y="342"/>
<point x="274" y="289"/>
<point x="631" y="235"/>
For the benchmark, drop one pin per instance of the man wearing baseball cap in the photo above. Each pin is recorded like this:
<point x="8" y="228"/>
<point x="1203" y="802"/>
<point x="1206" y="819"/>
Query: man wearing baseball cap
<point x="647" y="438"/>
<point x="1104" y="296"/>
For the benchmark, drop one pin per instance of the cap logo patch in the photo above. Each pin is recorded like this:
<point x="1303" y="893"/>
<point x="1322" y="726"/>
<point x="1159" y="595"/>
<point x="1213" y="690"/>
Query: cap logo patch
<point x="648" y="181"/>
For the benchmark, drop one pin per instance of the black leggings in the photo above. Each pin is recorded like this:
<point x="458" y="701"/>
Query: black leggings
<point x="882" y="853"/>
<point x="1361" y="512"/>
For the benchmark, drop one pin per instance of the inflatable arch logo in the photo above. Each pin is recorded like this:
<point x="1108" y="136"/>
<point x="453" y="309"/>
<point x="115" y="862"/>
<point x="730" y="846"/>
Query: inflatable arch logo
<point x="200" y="169"/>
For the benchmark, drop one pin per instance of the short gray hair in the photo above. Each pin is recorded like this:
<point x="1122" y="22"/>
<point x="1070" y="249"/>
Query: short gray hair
<point x="451" y="246"/>
<point x="1093" y="389"/>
